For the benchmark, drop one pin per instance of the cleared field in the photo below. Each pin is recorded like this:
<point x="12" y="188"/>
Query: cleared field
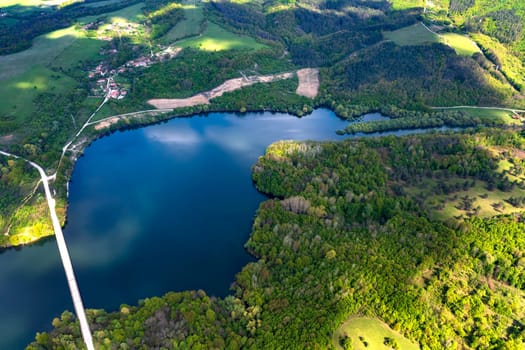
<point x="415" y="34"/>
<point x="370" y="334"/>
<point x="17" y="94"/>
<point x="189" y="26"/>
<point x="216" y="38"/>
<point x="461" y="43"/>
<point x="490" y="115"/>
<point x="419" y="34"/>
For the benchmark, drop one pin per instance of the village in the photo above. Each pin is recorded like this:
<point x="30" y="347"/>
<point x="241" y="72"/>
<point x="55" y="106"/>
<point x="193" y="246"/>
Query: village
<point x="105" y="83"/>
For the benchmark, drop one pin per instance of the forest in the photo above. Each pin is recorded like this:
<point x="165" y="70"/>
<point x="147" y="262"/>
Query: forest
<point x="341" y="237"/>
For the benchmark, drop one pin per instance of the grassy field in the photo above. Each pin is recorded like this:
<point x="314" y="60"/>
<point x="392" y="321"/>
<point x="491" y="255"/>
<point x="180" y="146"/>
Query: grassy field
<point x="17" y="94"/>
<point x="216" y="38"/>
<point x="461" y="43"/>
<point x="489" y="202"/>
<point x="369" y="333"/>
<point x="417" y="34"/>
<point x="44" y="51"/>
<point x="407" y="4"/>
<point x="189" y="26"/>
<point x="490" y="115"/>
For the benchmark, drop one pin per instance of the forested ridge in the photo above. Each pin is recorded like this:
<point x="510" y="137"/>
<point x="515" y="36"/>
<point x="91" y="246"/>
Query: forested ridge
<point x="341" y="237"/>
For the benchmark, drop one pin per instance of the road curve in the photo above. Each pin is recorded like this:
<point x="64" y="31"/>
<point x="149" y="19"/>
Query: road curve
<point x="64" y="255"/>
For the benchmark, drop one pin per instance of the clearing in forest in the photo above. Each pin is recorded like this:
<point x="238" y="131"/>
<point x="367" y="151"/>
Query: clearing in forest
<point x="308" y="82"/>
<point x="216" y="38"/>
<point x="189" y="26"/>
<point x="364" y="333"/>
<point x="419" y="34"/>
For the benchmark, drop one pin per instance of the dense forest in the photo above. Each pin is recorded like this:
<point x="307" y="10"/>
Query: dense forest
<point x="342" y="237"/>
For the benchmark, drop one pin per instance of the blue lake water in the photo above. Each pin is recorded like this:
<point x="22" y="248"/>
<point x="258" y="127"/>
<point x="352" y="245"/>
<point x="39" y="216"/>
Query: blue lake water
<point x="163" y="208"/>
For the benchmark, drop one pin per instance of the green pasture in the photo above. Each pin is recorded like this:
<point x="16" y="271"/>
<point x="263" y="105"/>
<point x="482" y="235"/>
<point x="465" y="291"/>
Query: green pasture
<point x="17" y="94"/>
<point x="44" y="51"/>
<point x="369" y="333"/>
<point x="462" y="44"/>
<point x="189" y="26"/>
<point x="81" y="50"/>
<point x="216" y="38"/>
<point x="415" y="34"/>
<point x="489" y="115"/>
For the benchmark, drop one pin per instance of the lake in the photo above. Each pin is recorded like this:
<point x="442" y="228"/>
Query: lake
<point x="163" y="208"/>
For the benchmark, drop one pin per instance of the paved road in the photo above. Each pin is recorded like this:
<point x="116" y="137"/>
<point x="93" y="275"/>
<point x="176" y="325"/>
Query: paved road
<point x="64" y="255"/>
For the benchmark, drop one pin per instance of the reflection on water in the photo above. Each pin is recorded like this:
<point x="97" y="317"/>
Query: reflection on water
<point x="166" y="207"/>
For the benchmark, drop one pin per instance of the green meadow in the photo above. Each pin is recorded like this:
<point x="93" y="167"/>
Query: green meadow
<point x="216" y="38"/>
<point x="370" y="334"/>
<point x="417" y="34"/>
<point x="17" y="94"/>
<point x="489" y="115"/>
<point x="189" y="26"/>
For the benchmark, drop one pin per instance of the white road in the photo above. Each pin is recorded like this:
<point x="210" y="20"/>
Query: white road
<point x="64" y="255"/>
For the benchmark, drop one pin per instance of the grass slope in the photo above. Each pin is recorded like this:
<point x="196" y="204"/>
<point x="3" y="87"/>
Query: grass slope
<point x="372" y="332"/>
<point x="418" y="34"/>
<point x="216" y="38"/>
<point x="189" y="26"/>
<point x="17" y="94"/>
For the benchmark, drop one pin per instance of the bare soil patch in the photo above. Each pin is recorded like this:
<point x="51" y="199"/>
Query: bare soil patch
<point x="227" y="86"/>
<point x="308" y="82"/>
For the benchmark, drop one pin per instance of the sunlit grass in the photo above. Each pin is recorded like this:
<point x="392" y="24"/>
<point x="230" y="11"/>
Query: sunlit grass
<point x="511" y="66"/>
<point x="216" y="38"/>
<point x="490" y="115"/>
<point x="70" y="31"/>
<point x="462" y="44"/>
<point x="417" y="34"/>
<point x="407" y="4"/>
<point x="17" y="94"/>
<point x="370" y="333"/>
<point x="189" y="26"/>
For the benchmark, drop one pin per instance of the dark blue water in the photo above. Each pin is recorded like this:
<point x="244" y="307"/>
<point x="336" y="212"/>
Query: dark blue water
<point x="166" y="207"/>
